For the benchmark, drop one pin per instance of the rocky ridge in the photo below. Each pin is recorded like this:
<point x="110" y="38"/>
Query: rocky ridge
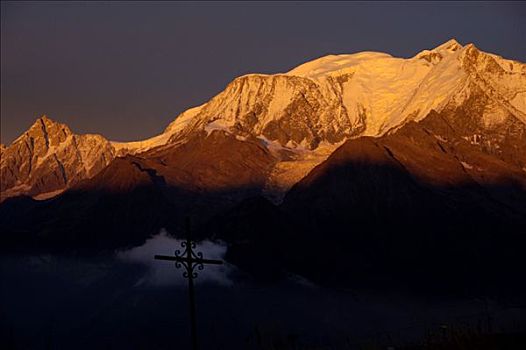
<point x="49" y="157"/>
<point x="303" y="115"/>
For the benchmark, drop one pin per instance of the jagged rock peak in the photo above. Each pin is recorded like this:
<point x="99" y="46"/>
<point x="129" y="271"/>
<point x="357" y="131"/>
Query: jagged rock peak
<point x="46" y="122"/>
<point x="49" y="157"/>
<point x="50" y="132"/>
<point x="44" y="118"/>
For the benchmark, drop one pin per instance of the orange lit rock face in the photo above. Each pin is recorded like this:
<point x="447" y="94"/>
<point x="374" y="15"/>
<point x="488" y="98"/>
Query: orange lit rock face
<point x="439" y="151"/>
<point x="269" y="131"/>
<point x="22" y="158"/>
<point x="433" y="165"/>
<point x="49" y="157"/>
<point x="213" y="163"/>
<point x="218" y="162"/>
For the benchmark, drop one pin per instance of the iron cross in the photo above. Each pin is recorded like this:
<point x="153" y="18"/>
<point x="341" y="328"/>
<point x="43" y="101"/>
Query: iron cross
<point x="190" y="260"/>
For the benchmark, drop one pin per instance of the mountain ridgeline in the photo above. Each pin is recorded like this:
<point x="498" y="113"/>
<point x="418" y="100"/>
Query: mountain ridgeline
<point x="366" y="164"/>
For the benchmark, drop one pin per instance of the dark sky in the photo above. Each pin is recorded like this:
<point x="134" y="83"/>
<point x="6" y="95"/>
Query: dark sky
<point x="125" y="70"/>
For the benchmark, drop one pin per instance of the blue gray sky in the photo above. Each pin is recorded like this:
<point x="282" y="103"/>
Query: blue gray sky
<point x="126" y="69"/>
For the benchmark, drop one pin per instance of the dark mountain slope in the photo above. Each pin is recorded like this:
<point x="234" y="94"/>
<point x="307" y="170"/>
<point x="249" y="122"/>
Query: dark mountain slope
<point x="419" y="203"/>
<point x="135" y="196"/>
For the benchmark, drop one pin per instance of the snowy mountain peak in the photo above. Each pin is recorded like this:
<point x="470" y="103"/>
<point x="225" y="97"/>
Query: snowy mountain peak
<point x="304" y="112"/>
<point x="436" y="55"/>
<point x="449" y="46"/>
<point x="336" y="97"/>
<point x="331" y="64"/>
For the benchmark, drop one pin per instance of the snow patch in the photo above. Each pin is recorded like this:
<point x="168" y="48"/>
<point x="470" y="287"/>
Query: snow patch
<point x="178" y="125"/>
<point x="466" y="166"/>
<point x="141" y="146"/>
<point x="183" y="120"/>
<point x="275" y="147"/>
<point x="440" y="138"/>
<point x="218" y="124"/>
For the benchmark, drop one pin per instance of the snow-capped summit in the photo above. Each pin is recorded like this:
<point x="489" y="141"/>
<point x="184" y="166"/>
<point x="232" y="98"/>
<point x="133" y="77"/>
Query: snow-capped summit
<point x="436" y="55"/>
<point x="450" y="46"/>
<point x="306" y="113"/>
<point x="333" y="64"/>
<point x="337" y="97"/>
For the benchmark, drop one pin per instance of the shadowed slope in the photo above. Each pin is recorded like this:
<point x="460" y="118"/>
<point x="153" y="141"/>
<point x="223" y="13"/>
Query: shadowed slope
<point x="425" y="205"/>
<point x="420" y="203"/>
<point x="135" y="196"/>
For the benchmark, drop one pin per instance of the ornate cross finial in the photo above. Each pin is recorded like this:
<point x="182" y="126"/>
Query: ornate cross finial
<point x="190" y="260"/>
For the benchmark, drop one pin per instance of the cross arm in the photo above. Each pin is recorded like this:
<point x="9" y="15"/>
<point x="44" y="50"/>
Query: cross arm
<point x="185" y="259"/>
<point x="165" y="257"/>
<point x="207" y="261"/>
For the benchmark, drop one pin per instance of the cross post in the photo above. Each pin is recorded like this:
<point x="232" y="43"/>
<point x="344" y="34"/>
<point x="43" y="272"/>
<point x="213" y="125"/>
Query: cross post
<point x="190" y="260"/>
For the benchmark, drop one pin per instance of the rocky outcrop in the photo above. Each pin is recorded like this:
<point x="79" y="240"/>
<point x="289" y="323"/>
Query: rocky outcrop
<point x="49" y="157"/>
